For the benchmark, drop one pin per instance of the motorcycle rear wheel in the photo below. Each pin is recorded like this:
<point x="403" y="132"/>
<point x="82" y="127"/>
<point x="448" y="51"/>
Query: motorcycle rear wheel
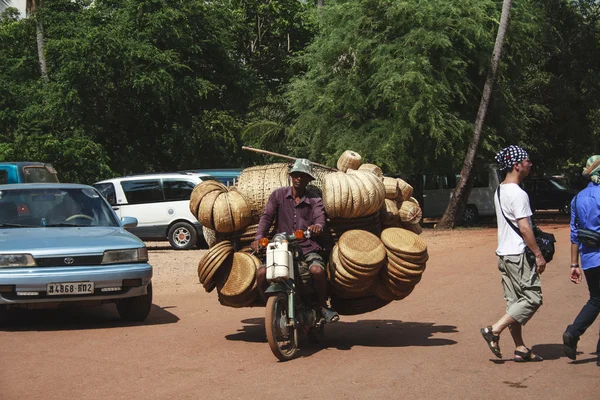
<point x="282" y="338"/>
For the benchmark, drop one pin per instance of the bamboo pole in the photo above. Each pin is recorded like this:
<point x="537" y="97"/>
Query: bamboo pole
<point x="270" y="153"/>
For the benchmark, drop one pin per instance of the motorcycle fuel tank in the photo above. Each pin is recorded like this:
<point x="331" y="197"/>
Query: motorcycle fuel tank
<point x="280" y="262"/>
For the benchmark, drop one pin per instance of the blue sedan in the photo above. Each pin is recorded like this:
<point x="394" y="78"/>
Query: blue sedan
<point x="62" y="243"/>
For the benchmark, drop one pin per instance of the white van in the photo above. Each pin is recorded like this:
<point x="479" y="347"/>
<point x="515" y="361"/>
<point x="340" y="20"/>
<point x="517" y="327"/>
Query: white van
<point x="439" y="188"/>
<point x="161" y="204"/>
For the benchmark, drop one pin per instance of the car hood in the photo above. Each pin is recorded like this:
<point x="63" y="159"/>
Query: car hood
<point x="66" y="240"/>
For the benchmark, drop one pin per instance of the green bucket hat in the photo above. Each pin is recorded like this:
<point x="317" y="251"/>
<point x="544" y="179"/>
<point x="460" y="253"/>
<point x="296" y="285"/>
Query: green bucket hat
<point x="303" y="165"/>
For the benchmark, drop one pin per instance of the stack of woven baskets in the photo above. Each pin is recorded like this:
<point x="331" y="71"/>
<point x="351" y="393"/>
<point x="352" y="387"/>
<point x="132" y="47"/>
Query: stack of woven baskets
<point x="371" y="234"/>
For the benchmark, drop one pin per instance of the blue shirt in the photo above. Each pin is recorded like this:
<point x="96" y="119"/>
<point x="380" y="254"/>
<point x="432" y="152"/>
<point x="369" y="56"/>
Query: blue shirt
<point x="588" y="213"/>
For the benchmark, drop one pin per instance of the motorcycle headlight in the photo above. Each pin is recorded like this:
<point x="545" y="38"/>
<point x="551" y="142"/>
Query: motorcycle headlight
<point x="279" y="238"/>
<point x="16" y="260"/>
<point x="125" y="256"/>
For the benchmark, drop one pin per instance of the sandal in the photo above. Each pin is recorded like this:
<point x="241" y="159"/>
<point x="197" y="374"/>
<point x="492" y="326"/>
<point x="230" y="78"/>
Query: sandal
<point x="526" y="357"/>
<point x="489" y="338"/>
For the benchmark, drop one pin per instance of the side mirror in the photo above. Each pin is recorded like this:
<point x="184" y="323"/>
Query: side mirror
<point x="129" y="222"/>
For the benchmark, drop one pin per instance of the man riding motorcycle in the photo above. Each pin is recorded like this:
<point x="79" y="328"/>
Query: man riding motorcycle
<point x="298" y="209"/>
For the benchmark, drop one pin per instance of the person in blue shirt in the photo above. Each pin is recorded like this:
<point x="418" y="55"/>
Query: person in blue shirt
<point x="585" y="207"/>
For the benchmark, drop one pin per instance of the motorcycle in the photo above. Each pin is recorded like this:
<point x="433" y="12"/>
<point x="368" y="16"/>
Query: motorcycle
<point x="291" y="305"/>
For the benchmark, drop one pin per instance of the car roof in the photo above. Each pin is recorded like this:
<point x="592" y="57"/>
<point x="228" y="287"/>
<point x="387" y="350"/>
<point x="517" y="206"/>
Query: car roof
<point x="45" y="186"/>
<point x="155" y="176"/>
<point x="25" y="163"/>
<point x="233" y="172"/>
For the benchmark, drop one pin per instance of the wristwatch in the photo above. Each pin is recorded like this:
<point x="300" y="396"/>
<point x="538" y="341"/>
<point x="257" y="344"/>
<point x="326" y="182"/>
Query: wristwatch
<point x="574" y="265"/>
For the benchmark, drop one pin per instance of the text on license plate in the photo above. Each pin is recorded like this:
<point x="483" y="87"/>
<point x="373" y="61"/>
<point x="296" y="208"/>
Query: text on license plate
<point x="54" y="289"/>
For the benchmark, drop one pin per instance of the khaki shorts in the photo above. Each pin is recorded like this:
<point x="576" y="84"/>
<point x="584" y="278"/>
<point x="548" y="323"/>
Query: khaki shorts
<point x="312" y="258"/>
<point x="522" y="287"/>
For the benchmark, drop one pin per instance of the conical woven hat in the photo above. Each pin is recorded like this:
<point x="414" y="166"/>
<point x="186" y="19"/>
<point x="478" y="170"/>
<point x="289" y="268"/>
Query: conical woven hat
<point x="357" y="197"/>
<point x="391" y="188"/>
<point x="206" y="261"/>
<point x="241" y="276"/>
<point x="222" y="214"/>
<point x="395" y="271"/>
<point x="368" y="191"/>
<point x="219" y="269"/>
<point x="406" y="191"/>
<point x="362" y="272"/>
<point x="410" y="212"/>
<point x="412" y="268"/>
<point x="345" y="203"/>
<point x="201" y="190"/>
<point x="240" y="212"/>
<point x="211" y="262"/>
<point x="372" y="168"/>
<point x="402" y="281"/>
<point x="205" y="213"/>
<point x="403" y="241"/>
<point x="379" y="189"/>
<point x="348" y="159"/>
<point x="339" y="275"/>
<point x="362" y="248"/>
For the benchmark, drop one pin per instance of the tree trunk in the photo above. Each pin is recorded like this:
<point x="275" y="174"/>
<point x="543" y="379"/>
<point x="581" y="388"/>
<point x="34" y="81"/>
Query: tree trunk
<point x="463" y="187"/>
<point x="31" y="10"/>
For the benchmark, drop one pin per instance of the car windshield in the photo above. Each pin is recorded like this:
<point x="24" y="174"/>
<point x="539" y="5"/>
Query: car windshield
<point x="558" y="185"/>
<point x="54" y="207"/>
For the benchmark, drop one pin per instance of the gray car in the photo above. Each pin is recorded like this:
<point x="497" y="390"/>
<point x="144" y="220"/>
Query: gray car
<point x="63" y="243"/>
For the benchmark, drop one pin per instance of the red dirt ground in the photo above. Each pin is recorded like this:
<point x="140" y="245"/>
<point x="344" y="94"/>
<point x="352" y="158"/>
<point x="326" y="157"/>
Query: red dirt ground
<point x="426" y="346"/>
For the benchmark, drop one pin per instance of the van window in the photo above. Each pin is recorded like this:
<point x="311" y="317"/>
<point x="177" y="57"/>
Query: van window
<point x="430" y="182"/>
<point x="3" y="177"/>
<point x="107" y="190"/>
<point x="449" y="181"/>
<point x="142" y="191"/>
<point x="481" y="179"/>
<point x="38" y="174"/>
<point x="177" y="189"/>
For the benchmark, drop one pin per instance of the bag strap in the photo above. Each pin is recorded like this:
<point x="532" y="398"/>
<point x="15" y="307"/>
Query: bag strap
<point x="576" y="217"/>
<point x="507" y="220"/>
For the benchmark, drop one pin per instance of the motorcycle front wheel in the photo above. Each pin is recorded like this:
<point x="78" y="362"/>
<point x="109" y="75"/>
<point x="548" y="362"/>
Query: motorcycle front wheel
<point x="282" y="336"/>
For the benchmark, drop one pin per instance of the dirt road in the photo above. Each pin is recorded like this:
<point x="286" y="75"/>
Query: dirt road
<point x="426" y="346"/>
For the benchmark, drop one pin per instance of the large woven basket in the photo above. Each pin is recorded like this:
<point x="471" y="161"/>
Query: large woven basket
<point x="406" y="191"/>
<point x="257" y="183"/>
<point x="410" y="212"/>
<point x="348" y="159"/>
<point x="371" y="168"/>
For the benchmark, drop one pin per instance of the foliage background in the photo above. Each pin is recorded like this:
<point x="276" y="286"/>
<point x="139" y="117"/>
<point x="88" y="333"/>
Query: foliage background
<point x="157" y="85"/>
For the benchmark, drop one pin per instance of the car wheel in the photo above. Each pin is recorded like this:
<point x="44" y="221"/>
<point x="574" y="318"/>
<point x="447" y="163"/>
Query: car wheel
<point x="136" y="308"/>
<point x="182" y="236"/>
<point x="471" y="215"/>
<point x="566" y="208"/>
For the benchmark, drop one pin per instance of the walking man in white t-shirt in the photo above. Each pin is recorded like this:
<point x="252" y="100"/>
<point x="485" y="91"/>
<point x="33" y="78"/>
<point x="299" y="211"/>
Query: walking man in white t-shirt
<point x="520" y="279"/>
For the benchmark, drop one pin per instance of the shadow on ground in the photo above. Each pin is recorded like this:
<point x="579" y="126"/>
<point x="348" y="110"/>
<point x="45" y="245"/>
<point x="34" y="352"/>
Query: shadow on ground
<point x="345" y="335"/>
<point x="76" y="317"/>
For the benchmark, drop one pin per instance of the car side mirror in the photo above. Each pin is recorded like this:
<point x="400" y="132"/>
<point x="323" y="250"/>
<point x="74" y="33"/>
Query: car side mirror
<point x="129" y="222"/>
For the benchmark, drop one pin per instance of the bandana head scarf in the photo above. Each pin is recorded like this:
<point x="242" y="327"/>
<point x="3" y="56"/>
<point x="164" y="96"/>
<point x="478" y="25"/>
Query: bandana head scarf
<point x="510" y="156"/>
<point x="592" y="169"/>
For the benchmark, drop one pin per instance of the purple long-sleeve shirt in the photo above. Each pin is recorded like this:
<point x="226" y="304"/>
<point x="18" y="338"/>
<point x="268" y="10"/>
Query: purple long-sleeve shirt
<point x="292" y="216"/>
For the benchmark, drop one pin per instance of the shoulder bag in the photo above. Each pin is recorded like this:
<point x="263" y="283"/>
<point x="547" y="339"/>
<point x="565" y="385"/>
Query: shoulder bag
<point x="544" y="240"/>
<point x="587" y="237"/>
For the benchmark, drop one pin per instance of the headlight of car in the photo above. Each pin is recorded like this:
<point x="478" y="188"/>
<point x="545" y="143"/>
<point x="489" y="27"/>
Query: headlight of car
<point x="125" y="256"/>
<point x="16" y="260"/>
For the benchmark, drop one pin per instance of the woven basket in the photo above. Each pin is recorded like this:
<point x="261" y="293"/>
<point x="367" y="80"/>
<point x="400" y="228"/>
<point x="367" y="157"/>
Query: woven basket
<point x="400" y="240"/>
<point x="241" y="276"/>
<point x="205" y="212"/>
<point x="392" y="191"/>
<point x="371" y="168"/>
<point x="200" y="191"/>
<point x="406" y="191"/>
<point x="410" y="212"/>
<point x="362" y="248"/>
<point x="348" y="159"/>
<point x="256" y="184"/>
<point x="416" y="228"/>
<point x="389" y="213"/>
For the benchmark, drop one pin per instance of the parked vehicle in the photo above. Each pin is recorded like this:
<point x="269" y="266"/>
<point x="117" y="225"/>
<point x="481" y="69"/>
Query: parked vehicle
<point x="26" y="172"/>
<point x="439" y="188"/>
<point x="227" y="176"/>
<point x="548" y="194"/>
<point x="160" y="203"/>
<point x="62" y="243"/>
<point x="290" y="307"/>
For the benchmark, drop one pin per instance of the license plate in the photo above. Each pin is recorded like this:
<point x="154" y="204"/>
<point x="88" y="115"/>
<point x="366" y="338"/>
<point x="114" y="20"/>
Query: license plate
<point x="59" y="289"/>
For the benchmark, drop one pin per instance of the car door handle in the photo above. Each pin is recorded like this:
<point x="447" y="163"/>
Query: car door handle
<point x="116" y="208"/>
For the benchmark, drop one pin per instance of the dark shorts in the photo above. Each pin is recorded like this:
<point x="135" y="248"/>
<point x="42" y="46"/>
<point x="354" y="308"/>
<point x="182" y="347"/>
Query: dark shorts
<point x="312" y="258"/>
